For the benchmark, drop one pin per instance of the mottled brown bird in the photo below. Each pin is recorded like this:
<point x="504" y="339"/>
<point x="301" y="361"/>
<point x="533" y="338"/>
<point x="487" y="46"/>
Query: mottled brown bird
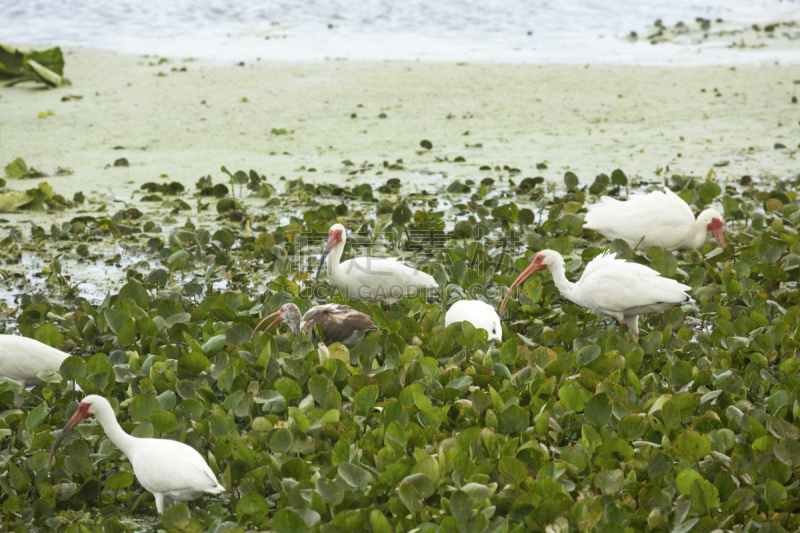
<point x="340" y="323"/>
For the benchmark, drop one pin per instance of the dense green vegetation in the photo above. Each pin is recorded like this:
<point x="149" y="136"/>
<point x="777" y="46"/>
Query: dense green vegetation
<point x="572" y="424"/>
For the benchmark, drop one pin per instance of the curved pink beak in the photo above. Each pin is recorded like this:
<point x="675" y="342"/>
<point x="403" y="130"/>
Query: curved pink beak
<point x="279" y="319"/>
<point x="533" y="267"/>
<point x="76" y="419"/>
<point x="718" y="236"/>
<point x="333" y="240"/>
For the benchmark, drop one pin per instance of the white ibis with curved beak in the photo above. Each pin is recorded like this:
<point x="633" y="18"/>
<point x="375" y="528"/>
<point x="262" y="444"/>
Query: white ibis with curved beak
<point x="21" y="359"/>
<point x="163" y="467"/>
<point x="610" y="286"/>
<point x="656" y="219"/>
<point x="370" y="279"/>
<point x="479" y="314"/>
<point x="340" y="323"/>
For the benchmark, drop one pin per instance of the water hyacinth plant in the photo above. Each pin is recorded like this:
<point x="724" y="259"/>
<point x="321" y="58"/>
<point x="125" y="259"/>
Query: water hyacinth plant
<point x="570" y="424"/>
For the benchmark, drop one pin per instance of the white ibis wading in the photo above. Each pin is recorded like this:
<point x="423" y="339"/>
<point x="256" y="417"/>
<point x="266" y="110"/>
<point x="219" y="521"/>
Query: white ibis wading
<point x="340" y="323"/>
<point x="657" y="219"/>
<point x="370" y="279"/>
<point x="610" y="286"/>
<point x="479" y="314"/>
<point x="21" y="359"/>
<point x="163" y="467"/>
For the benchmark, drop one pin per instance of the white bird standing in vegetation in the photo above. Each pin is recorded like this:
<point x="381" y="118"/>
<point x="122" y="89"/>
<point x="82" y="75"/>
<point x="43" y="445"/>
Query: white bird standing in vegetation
<point x="479" y="314"/>
<point x="371" y="279"/>
<point x="656" y="219"/>
<point x="21" y="359"/>
<point x="163" y="467"/>
<point x="610" y="287"/>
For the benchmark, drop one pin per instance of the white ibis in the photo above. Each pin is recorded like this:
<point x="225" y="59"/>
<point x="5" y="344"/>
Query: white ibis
<point x="479" y="314"/>
<point x="21" y="359"/>
<point x="163" y="467"/>
<point x="610" y="287"/>
<point x="657" y="219"/>
<point x="370" y="279"/>
<point x="340" y="323"/>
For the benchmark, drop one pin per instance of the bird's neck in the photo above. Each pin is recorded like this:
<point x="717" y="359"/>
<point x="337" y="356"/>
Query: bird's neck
<point x="114" y="431"/>
<point x="564" y="286"/>
<point x="700" y="234"/>
<point x="334" y="257"/>
<point x="294" y="325"/>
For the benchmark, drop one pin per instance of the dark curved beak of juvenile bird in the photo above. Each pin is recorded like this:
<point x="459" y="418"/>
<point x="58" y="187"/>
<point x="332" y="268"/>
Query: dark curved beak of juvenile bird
<point x="519" y="281"/>
<point x="328" y="247"/>
<point x="279" y="319"/>
<point x="77" y="418"/>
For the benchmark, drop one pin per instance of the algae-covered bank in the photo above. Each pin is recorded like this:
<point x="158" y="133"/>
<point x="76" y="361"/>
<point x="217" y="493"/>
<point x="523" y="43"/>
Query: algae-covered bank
<point x="186" y="119"/>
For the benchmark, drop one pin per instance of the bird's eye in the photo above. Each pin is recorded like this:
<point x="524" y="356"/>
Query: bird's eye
<point x="84" y="407"/>
<point x="494" y="330"/>
<point x="539" y="258"/>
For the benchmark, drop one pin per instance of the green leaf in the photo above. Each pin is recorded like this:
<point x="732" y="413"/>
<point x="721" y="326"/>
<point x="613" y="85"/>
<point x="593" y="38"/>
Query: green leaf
<point x="192" y="364"/>
<point x="662" y="261"/>
<point x="329" y="491"/>
<point x="142" y="405"/>
<point x="287" y="521"/>
<point x="704" y="495"/>
<point x="774" y="493"/>
<point x="619" y="178"/>
<point x="587" y="354"/>
<point x="610" y="481"/>
<point x="598" y="410"/>
<point x="281" y="440"/>
<point x="685" y="479"/>
<point x="693" y="445"/>
<point x="515" y="419"/>
<point x="119" y="480"/>
<point x="73" y="367"/>
<point x="252" y="503"/>
<point x="365" y="398"/>
<point x="48" y="334"/>
<point x="354" y="475"/>
<point x="571" y="398"/>
<point x="571" y="180"/>
<point x="512" y="468"/>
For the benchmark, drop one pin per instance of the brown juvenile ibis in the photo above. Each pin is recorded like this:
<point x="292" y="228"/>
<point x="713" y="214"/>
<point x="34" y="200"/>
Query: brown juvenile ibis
<point x="340" y="323"/>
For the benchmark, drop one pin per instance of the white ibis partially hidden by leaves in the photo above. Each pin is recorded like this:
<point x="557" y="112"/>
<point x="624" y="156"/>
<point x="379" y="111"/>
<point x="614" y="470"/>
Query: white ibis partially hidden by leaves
<point x="610" y="287"/>
<point x="167" y="468"/>
<point x="22" y="359"/>
<point x="340" y="323"/>
<point x="479" y="314"/>
<point x="371" y="279"/>
<point x="656" y="219"/>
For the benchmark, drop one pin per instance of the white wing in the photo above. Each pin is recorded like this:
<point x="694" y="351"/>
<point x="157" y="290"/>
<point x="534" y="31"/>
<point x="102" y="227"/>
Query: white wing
<point x="371" y="278"/>
<point x="21" y="358"/>
<point x="479" y="314"/>
<point x="625" y="288"/>
<point x="662" y="218"/>
<point x="164" y="466"/>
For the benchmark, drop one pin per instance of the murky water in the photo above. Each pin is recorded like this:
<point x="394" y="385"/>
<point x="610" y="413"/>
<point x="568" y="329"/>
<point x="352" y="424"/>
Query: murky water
<point x="517" y="31"/>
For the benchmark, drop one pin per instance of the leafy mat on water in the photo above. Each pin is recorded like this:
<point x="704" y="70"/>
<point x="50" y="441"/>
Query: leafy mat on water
<point x="41" y="197"/>
<point x="42" y="66"/>
<point x="570" y="425"/>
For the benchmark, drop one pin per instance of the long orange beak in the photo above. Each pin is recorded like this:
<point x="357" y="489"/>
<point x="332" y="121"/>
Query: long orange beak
<point x="78" y="417"/>
<point x="718" y="236"/>
<point x="332" y="241"/>
<point x="519" y="281"/>
<point x="279" y="319"/>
